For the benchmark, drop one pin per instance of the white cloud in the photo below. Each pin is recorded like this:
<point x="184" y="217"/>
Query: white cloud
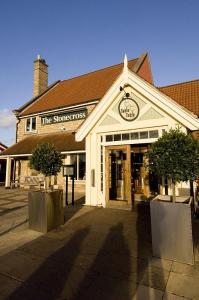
<point x="7" y="119"/>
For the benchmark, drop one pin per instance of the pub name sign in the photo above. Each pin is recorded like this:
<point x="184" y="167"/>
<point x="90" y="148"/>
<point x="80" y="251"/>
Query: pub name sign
<point x="64" y="117"/>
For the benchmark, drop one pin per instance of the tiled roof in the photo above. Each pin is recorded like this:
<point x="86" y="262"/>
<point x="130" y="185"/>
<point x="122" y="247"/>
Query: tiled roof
<point x="185" y="93"/>
<point x="63" y="141"/>
<point x="82" y="89"/>
<point x="3" y="146"/>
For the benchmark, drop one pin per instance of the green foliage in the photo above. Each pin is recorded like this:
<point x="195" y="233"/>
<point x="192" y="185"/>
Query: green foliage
<point x="175" y="156"/>
<point x="46" y="159"/>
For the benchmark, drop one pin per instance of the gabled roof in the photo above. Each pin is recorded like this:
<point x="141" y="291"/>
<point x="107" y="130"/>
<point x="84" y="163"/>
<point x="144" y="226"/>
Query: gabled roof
<point x="63" y="141"/>
<point x="83" y="89"/>
<point x="185" y="94"/>
<point x="3" y="146"/>
<point x="150" y="92"/>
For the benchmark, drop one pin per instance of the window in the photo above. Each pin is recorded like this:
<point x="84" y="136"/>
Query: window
<point x="31" y="124"/>
<point x="79" y="160"/>
<point x="134" y="136"/>
<point x="138" y="135"/>
<point x="153" y="134"/>
<point x="82" y="166"/>
<point x="144" y="135"/>
<point x="125" y="136"/>
<point x="117" y="137"/>
<point x="73" y="161"/>
<point x="109" y="138"/>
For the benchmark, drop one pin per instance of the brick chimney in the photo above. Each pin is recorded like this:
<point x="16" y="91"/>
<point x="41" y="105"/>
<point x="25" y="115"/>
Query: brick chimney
<point x="40" y="76"/>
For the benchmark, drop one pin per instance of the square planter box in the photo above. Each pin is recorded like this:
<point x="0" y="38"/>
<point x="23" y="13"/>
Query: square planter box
<point x="172" y="229"/>
<point x="45" y="210"/>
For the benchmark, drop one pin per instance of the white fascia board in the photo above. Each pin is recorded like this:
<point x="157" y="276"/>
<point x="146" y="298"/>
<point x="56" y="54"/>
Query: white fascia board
<point x="75" y="152"/>
<point x="151" y="93"/>
<point x="62" y="152"/>
<point x="15" y="155"/>
<point x="166" y="103"/>
<point x="100" y="108"/>
<point x="63" y="109"/>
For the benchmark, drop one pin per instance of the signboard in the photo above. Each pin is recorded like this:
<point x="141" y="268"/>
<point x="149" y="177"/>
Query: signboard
<point x="128" y="109"/>
<point x="69" y="170"/>
<point x="64" y="117"/>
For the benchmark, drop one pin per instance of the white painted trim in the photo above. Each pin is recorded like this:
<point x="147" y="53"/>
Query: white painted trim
<point x="16" y="155"/>
<point x="75" y="152"/>
<point x="21" y="155"/>
<point x="102" y="106"/>
<point x="59" y="109"/>
<point x="151" y="93"/>
<point x="166" y="103"/>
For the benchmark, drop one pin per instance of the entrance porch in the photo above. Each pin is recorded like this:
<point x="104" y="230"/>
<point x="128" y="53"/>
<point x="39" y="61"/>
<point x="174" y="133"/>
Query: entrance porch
<point x="127" y="179"/>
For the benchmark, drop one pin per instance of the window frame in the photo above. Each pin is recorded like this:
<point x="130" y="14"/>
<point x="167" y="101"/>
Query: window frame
<point x="77" y="163"/>
<point x="31" y="123"/>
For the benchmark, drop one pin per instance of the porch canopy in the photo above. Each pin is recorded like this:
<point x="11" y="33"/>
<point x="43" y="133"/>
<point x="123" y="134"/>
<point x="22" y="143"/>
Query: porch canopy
<point x="62" y="141"/>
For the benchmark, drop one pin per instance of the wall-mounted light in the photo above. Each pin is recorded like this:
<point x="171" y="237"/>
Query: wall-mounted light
<point x="127" y="95"/>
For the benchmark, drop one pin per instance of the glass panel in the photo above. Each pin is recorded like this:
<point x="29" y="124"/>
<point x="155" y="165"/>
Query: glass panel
<point x="137" y="172"/>
<point x="144" y="135"/>
<point x="153" y="134"/>
<point x="134" y="136"/>
<point x="73" y="159"/>
<point x="102" y="169"/>
<point x="163" y="131"/>
<point x="34" y="123"/>
<point x="109" y="138"/>
<point x="117" y="137"/>
<point x="117" y="175"/>
<point x="82" y="166"/>
<point x="125" y="136"/>
<point x="28" y="124"/>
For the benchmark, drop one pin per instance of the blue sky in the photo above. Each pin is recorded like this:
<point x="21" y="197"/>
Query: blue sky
<point x="79" y="36"/>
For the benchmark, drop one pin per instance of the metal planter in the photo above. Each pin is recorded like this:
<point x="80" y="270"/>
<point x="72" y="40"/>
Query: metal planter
<point x="45" y="210"/>
<point x="172" y="230"/>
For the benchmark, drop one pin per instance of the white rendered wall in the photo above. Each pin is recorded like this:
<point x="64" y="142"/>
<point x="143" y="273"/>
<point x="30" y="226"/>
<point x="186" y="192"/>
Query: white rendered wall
<point x="112" y="123"/>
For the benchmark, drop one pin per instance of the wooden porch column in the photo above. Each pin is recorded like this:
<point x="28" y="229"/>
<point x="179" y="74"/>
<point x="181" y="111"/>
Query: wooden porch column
<point x="8" y="172"/>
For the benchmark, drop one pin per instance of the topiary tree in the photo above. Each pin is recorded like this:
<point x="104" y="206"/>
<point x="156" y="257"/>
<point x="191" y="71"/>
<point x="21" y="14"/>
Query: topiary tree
<point x="175" y="156"/>
<point x="46" y="160"/>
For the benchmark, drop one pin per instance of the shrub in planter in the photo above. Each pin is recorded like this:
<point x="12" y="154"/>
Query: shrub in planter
<point x="46" y="160"/>
<point x="46" y="207"/>
<point x="176" y="157"/>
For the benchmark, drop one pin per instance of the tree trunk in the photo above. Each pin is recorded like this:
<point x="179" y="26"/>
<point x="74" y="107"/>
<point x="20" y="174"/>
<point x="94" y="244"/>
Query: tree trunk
<point x="173" y="186"/>
<point x="47" y="182"/>
<point x="55" y="179"/>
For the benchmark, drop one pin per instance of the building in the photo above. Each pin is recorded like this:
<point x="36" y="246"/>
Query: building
<point x="2" y="164"/>
<point x="103" y="122"/>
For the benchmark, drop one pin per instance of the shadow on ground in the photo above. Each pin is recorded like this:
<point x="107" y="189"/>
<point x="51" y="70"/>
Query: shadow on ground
<point x="98" y="254"/>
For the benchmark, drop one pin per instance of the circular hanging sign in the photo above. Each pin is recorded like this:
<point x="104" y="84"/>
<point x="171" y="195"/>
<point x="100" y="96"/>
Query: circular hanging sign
<point x="128" y="109"/>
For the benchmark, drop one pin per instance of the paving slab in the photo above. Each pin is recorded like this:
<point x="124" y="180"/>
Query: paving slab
<point x="161" y="263"/>
<point x="186" y="269"/>
<point x="97" y="254"/>
<point x="183" y="285"/>
<point x="13" y="240"/>
<point x="7" y="286"/>
<point x="155" y="277"/>
<point x="147" y="293"/>
<point x="169" y="296"/>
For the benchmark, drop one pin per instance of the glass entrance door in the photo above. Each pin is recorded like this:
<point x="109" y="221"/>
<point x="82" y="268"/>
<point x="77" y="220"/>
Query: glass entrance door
<point x="118" y="177"/>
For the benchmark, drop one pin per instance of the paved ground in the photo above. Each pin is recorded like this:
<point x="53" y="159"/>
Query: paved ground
<point x="98" y="254"/>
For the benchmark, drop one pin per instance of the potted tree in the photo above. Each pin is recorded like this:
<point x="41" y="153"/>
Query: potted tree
<point x="45" y="206"/>
<point x="174" y="156"/>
